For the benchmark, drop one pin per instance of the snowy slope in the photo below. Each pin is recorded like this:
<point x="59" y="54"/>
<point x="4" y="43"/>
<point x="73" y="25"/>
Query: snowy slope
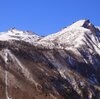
<point x="15" y="34"/>
<point x="80" y="33"/>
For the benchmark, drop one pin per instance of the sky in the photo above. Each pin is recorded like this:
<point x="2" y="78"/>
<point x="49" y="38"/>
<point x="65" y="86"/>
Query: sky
<point x="46" y="16"/>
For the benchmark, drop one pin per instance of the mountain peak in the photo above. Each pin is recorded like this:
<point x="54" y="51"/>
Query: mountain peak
<point x="14" y="34"/>
<point x="19" y="32"/>
<point x="80" y="23"/>
<point x="79" y="34"/>
<point x="85" y="23"/>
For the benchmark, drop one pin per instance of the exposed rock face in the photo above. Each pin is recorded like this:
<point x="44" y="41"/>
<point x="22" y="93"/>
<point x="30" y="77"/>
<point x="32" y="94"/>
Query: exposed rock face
<point x="64" y="65"/>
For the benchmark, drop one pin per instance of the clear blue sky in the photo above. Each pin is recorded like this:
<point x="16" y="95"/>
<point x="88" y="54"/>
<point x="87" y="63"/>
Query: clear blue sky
<point x="46" y="16"/>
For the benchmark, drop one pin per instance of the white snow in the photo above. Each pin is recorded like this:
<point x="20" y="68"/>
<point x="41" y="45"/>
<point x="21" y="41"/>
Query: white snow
<point x="4" y="55"/>
<point x="98" y="27"/>
<point x="6" y="85"/>
<point x="62" y="73"/>
<point x="79" y="23"/>
<point x="71" y="37"/>
<point x="15" y="34"/>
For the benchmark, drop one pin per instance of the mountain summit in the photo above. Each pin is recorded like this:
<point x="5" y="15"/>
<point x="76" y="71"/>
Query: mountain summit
<point x="82" y="23"/>
<point x="81" y="33"/>
<point x="63" y="65"/>
<point x="85" y="24"/>
<point x="14" y="34"/>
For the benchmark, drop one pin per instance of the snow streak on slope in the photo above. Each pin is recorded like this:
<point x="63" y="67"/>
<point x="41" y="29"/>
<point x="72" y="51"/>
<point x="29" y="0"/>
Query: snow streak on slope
<point x="24" y="70"/>
<point x="4" y="55"/>
<point x="6" y="85"/>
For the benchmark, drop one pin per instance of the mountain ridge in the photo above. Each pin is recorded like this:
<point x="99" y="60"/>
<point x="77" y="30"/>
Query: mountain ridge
<point x="64" y="65"/>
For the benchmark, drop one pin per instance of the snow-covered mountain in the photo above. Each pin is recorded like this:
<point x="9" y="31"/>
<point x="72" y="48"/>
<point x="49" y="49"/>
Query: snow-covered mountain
<point x="14" y="34"/>
<point x="75" y="36"/>
<point x="63" y="65"/>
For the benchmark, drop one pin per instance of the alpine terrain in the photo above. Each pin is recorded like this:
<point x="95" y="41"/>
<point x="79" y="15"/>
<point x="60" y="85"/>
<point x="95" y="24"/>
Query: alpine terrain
<point x="63" y="65"/>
